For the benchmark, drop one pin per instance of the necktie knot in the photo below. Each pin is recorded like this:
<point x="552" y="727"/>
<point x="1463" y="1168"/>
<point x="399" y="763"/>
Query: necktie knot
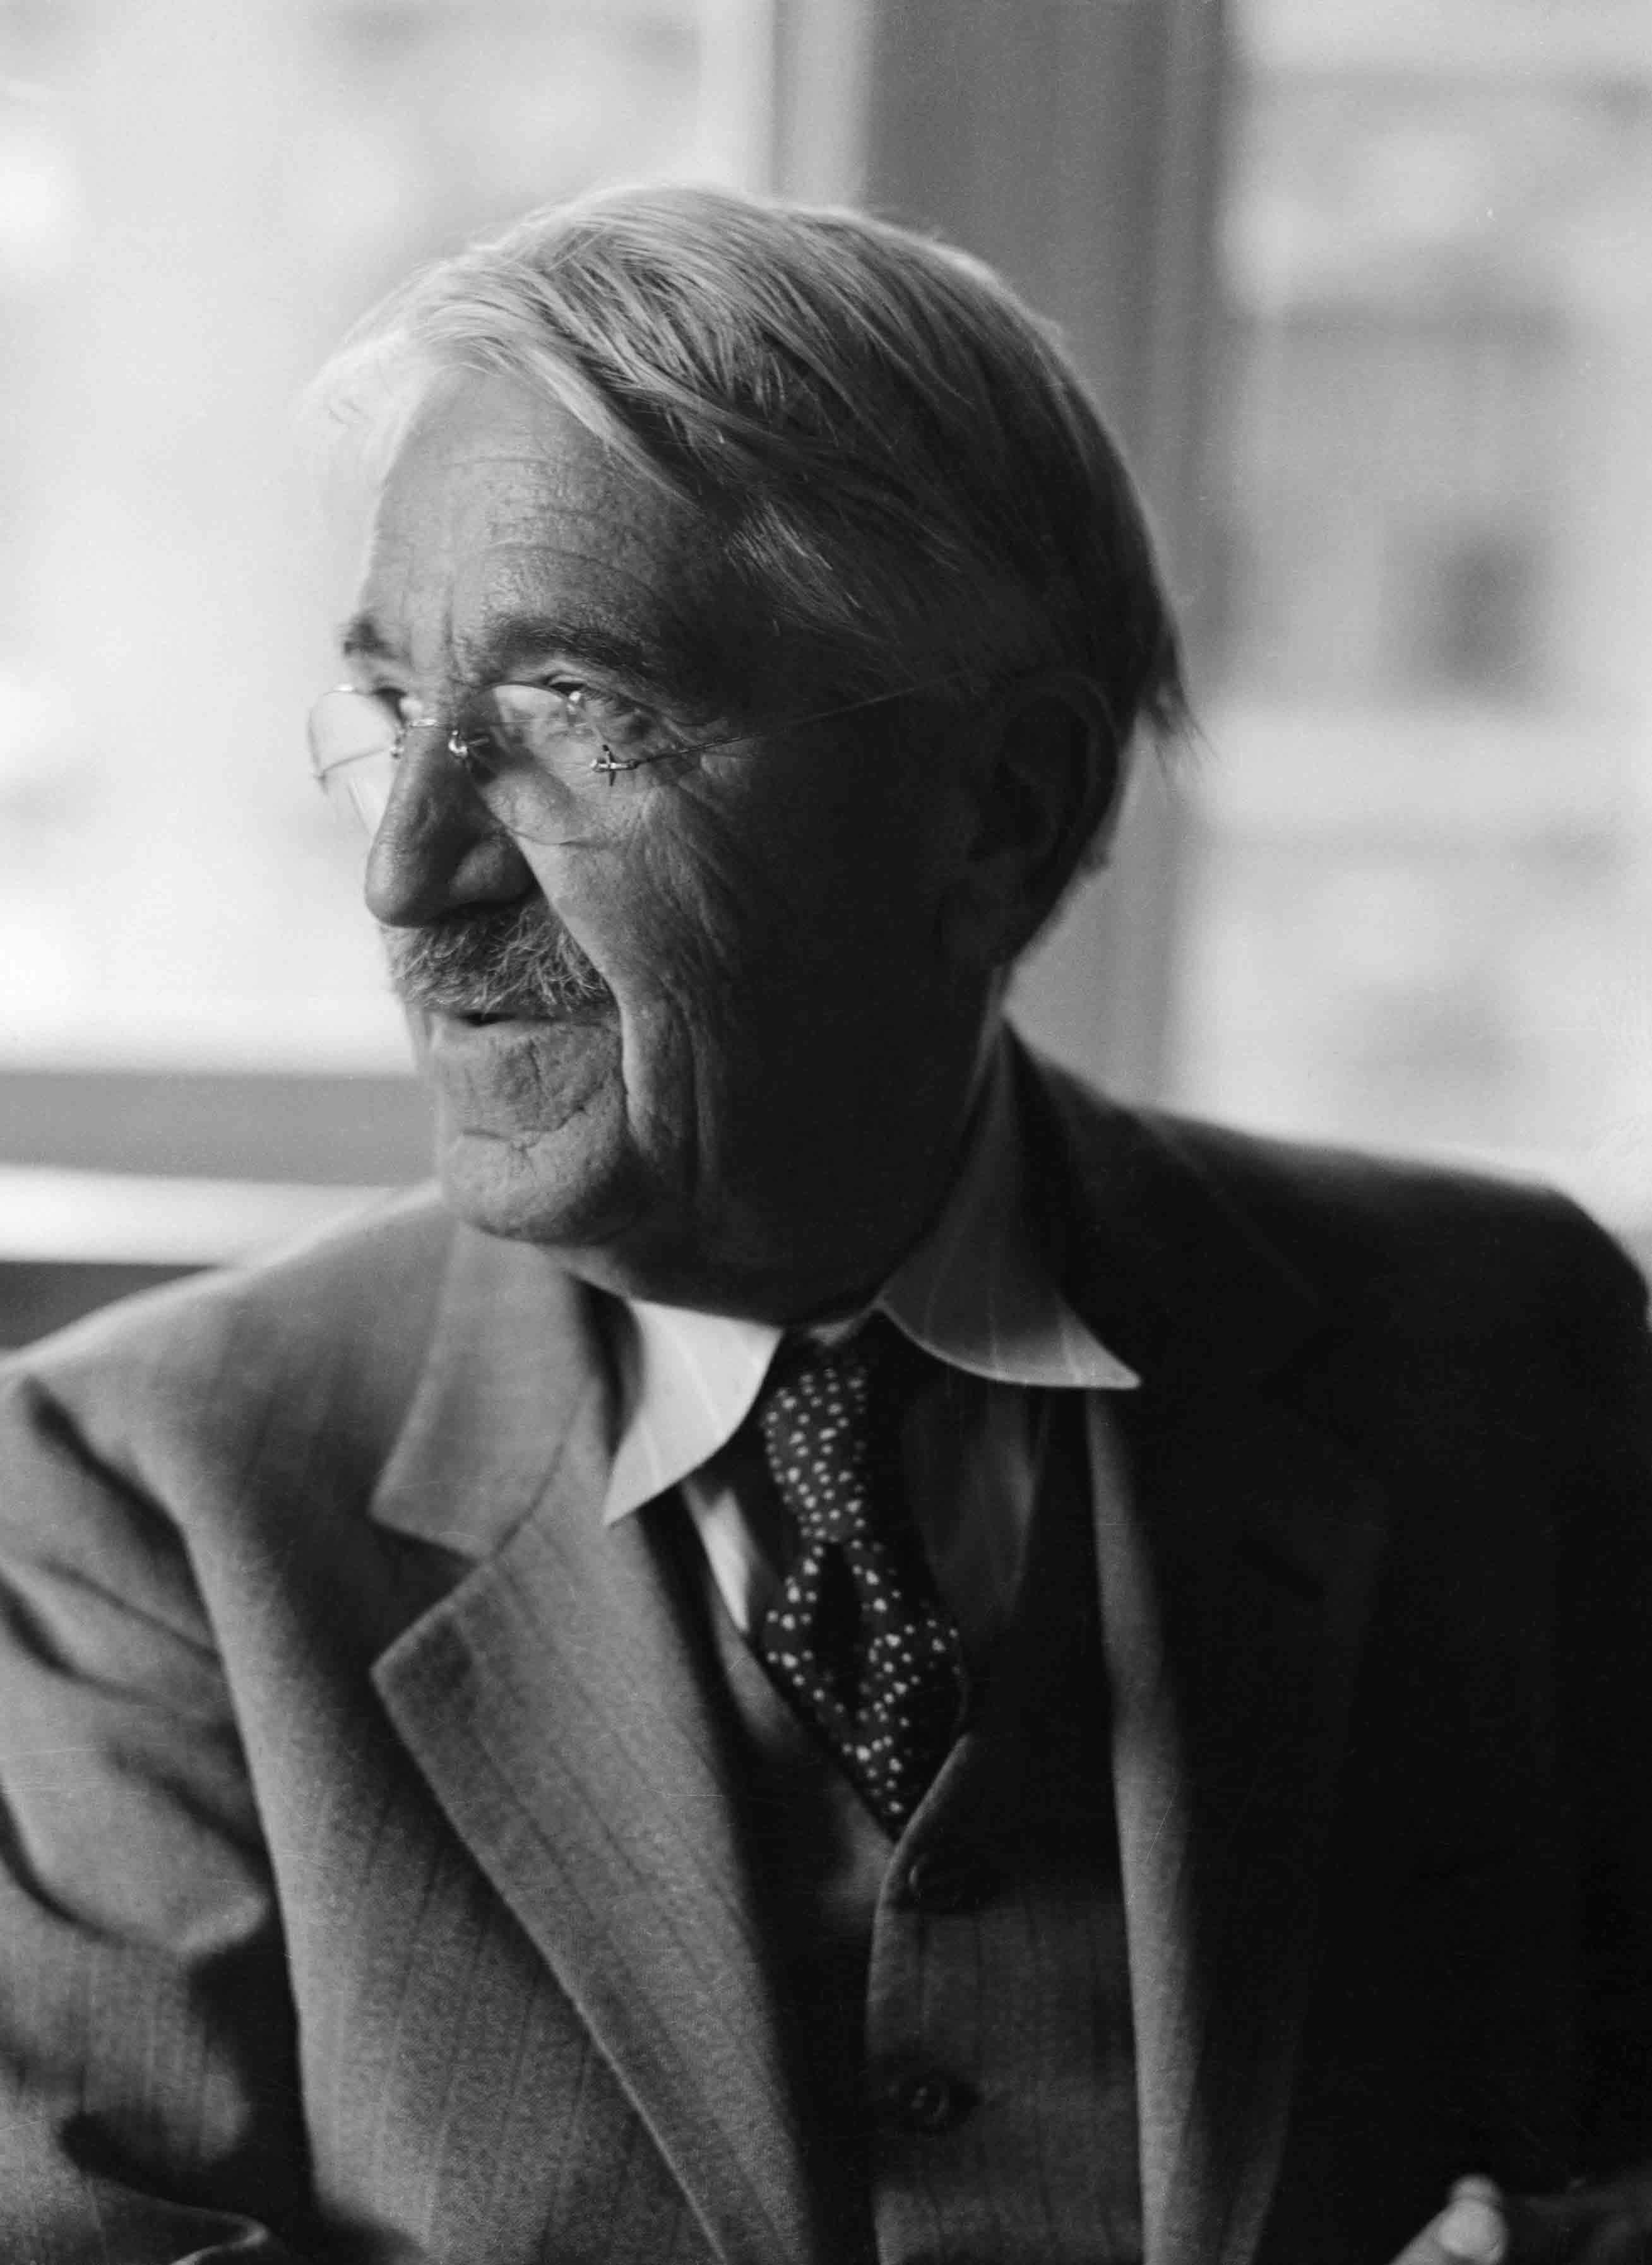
<point x="821" y="1439"/>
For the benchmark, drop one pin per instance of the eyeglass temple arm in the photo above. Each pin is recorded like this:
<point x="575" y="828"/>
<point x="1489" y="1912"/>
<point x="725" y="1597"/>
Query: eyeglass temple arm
<point x="610" y="762"/>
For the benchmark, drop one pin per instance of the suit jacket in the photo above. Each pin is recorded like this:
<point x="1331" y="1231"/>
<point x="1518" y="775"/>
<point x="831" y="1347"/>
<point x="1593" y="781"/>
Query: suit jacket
<point x="373" y="1881"/>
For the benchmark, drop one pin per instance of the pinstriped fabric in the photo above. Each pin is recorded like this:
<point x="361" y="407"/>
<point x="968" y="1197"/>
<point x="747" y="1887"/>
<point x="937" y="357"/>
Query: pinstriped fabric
<point x="1029" y="2008"/>
<point x="1020" y="1994"/>
<point x="614" y="1845"/>
<point x="250" y="1967"/>
<point x="468" y="2092"/>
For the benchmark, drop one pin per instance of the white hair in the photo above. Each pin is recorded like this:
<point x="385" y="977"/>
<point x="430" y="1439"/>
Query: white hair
<point x="903" y="463"/>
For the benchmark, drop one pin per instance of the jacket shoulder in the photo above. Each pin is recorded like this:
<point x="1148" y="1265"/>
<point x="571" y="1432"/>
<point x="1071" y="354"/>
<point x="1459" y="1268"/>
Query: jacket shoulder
<point x="1455" y="1247"/>
<point x="340" y="1321"/>
<point x="1425" y="1249"/>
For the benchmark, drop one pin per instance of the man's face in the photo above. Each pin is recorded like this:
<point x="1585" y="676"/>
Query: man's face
<point x="735" y="1044"/>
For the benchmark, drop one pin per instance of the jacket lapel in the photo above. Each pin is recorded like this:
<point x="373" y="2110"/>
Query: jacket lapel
<point x="1232" y="1654"/>
<point x="1237" y="1543"/>
<point x="614" y="1841"/>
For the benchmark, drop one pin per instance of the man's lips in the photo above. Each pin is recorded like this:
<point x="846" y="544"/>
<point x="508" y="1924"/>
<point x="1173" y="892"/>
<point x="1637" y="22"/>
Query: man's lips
<point x="472" y="1018"/>
<point x="512" y="1018"/>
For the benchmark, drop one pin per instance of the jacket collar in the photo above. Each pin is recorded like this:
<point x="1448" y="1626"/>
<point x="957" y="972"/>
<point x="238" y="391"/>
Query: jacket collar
<point x="1154" y="1255"/>
<point x="517" y="1352"/>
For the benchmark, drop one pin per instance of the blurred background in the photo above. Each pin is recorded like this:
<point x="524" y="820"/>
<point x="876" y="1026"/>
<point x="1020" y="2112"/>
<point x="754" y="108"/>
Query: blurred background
<point x="1365" y="286"/>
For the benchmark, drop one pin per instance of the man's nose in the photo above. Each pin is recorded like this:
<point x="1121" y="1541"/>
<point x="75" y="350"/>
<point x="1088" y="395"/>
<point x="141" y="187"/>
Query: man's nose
<point x="437" y="848"/>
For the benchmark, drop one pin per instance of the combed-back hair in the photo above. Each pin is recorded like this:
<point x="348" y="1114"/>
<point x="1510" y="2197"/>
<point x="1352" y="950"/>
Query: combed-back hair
<point x="903" y="464"/>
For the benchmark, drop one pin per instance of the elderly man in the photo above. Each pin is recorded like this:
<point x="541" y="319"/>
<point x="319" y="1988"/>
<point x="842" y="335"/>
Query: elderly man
<point x="844" y="1652"/>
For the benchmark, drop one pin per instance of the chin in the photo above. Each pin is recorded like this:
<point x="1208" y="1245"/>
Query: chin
<point x="530" y="1127"/>
<point x="565" y="1190"/>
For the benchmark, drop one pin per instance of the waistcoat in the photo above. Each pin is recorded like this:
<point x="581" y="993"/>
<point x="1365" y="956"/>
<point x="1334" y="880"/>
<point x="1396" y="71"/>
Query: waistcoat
<point x="959" y="1997"/>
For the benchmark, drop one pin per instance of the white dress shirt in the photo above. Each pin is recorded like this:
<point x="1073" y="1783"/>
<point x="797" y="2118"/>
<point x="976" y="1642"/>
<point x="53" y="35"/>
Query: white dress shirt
<point x="976" y="1293"/>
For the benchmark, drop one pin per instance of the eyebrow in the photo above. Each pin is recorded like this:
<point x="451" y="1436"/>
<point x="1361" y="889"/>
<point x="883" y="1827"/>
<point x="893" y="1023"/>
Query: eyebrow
<point x="515" y="640"/>
<point x="361" y="638"/>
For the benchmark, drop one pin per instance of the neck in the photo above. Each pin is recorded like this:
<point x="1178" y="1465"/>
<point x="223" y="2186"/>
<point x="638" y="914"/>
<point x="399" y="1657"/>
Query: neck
<point x="750" y="1280"/>
<point x="786" y="1268"/>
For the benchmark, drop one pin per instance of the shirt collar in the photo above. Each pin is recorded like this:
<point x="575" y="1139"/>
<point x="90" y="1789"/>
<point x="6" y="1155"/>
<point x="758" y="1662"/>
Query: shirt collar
<point x="974" y="1292"/>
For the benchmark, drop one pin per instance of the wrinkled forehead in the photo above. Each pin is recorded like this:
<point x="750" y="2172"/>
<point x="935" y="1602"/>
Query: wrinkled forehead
<point x="501" y="509"/>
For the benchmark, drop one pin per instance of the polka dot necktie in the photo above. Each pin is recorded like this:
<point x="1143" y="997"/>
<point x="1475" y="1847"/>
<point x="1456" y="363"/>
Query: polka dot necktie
<point x="858" y="1640"/>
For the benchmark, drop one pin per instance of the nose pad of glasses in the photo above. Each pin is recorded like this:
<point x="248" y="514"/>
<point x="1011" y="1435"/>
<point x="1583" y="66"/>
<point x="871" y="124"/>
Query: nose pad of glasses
<point x="428" y="773"/>
<point x="433" y="842"/>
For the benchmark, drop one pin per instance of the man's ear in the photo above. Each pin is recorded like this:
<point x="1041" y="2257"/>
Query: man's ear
<point x="1048" y="772"/>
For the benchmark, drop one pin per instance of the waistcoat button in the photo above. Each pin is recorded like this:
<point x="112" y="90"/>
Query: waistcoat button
<point x="923" y="2100"/>
<point x="947" y="1880"/>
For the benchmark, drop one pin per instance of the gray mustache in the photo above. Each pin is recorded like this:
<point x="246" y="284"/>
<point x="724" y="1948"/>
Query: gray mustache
<point x="514" y="960"/>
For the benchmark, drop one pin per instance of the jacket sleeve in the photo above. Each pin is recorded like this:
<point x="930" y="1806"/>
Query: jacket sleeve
<point x="1604" y="1620"/>
<point x="149" y="2090"/>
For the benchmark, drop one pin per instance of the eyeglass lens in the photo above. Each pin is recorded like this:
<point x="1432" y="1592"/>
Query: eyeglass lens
<point x="525" y="750"/>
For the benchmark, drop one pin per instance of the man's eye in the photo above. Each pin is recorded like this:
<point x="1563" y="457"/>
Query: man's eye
<point x="617" y="721"/>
